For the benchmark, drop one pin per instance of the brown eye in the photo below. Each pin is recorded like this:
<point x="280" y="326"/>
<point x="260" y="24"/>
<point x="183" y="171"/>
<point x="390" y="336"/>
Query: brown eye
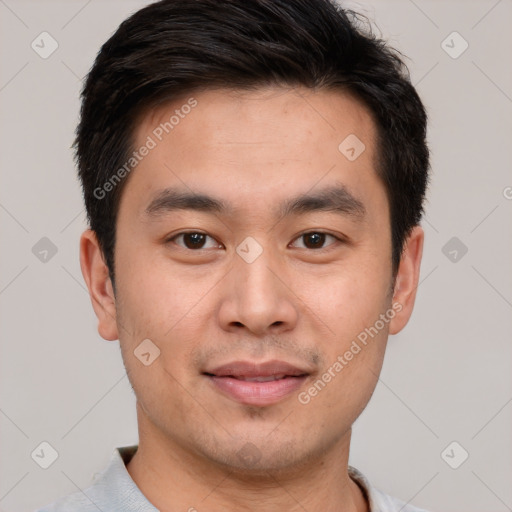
<point x="315" y="239"/>
<point x="193" y="240"/>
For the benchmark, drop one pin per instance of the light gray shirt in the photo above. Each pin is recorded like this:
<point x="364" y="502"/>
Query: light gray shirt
<point x="113" y="490"/>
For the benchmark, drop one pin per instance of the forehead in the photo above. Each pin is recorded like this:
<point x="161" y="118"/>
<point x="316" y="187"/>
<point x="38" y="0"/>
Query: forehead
<point x="238" y="117"/>
<point x="255" y="144"/>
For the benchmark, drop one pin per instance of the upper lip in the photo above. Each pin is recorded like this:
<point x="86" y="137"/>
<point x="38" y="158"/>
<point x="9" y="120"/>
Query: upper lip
<point x="249" y="369"/>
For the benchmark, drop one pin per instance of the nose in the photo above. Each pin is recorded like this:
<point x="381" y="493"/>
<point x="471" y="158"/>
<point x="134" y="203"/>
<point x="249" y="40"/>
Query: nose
<point x="258" y="297"/>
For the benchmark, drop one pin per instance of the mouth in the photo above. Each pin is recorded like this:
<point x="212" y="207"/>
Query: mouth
<point x="257" y="384"/>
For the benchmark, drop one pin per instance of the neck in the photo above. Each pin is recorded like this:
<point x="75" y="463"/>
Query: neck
<point x="174" y="478"/>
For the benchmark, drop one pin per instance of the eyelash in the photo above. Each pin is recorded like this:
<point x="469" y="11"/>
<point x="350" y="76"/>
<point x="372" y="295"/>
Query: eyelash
<point x="337" y="238"/>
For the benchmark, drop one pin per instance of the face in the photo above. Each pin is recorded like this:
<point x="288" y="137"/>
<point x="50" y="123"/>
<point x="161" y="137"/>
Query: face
<point x="253" y="250"/>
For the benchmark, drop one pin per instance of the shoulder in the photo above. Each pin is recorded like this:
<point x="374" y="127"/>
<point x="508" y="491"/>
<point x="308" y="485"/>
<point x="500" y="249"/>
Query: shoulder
<point x="378" y="500"/>
<point x="77" y="502"/>
<point x="100" y="495"/>
<point x="385" y="503"/>
<point x="111" y="489"/>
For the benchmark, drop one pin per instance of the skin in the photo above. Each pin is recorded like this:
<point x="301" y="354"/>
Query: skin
<point x="209" y="306"/>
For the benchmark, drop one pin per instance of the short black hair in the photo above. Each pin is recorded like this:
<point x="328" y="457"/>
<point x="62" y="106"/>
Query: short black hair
<point x="174" y="47"/>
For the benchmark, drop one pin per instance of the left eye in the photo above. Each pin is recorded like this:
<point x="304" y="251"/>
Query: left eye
<point x="194" y="240"/>
<point x="315" y="239"/>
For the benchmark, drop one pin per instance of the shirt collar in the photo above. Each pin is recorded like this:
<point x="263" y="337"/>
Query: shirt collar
<point x="127" y="496"/>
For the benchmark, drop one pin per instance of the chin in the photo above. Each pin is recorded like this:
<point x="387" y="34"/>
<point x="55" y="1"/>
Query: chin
<point x="258" y="457"/>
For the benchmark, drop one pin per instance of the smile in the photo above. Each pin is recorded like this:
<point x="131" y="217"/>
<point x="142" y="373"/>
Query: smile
<point x="257" y="384"/>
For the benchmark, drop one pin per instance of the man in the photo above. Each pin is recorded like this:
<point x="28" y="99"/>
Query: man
<point x="254" y="173"/>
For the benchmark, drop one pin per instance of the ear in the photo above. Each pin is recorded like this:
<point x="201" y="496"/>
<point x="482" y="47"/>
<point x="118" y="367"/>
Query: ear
<point x="97" y="278"/>
<point x="407" y="278"/>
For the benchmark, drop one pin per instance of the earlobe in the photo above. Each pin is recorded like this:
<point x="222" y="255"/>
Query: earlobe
<point x="97" y="278"/>
<point x="407" y="279"/>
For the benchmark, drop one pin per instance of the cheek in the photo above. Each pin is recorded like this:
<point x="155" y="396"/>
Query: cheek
<point x="168" y="306"/>
<point x="353" y="352"/>
<point x="156" y="295"/>
<point x="154" y="305"/>
<point x="350" y="302"/>
<point x="349" y="297"/>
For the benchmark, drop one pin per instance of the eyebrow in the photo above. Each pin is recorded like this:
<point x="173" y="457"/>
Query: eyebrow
<point x="331" y="198"/>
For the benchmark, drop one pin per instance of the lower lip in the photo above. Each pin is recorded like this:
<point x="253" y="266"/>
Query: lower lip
<point x="257" y="393"/>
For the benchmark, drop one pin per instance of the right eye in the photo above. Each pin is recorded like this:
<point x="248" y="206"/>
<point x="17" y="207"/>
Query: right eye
<point x="193" y="240"/>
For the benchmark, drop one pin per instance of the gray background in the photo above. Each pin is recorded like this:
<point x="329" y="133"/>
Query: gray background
<point x="446" y="377"/>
